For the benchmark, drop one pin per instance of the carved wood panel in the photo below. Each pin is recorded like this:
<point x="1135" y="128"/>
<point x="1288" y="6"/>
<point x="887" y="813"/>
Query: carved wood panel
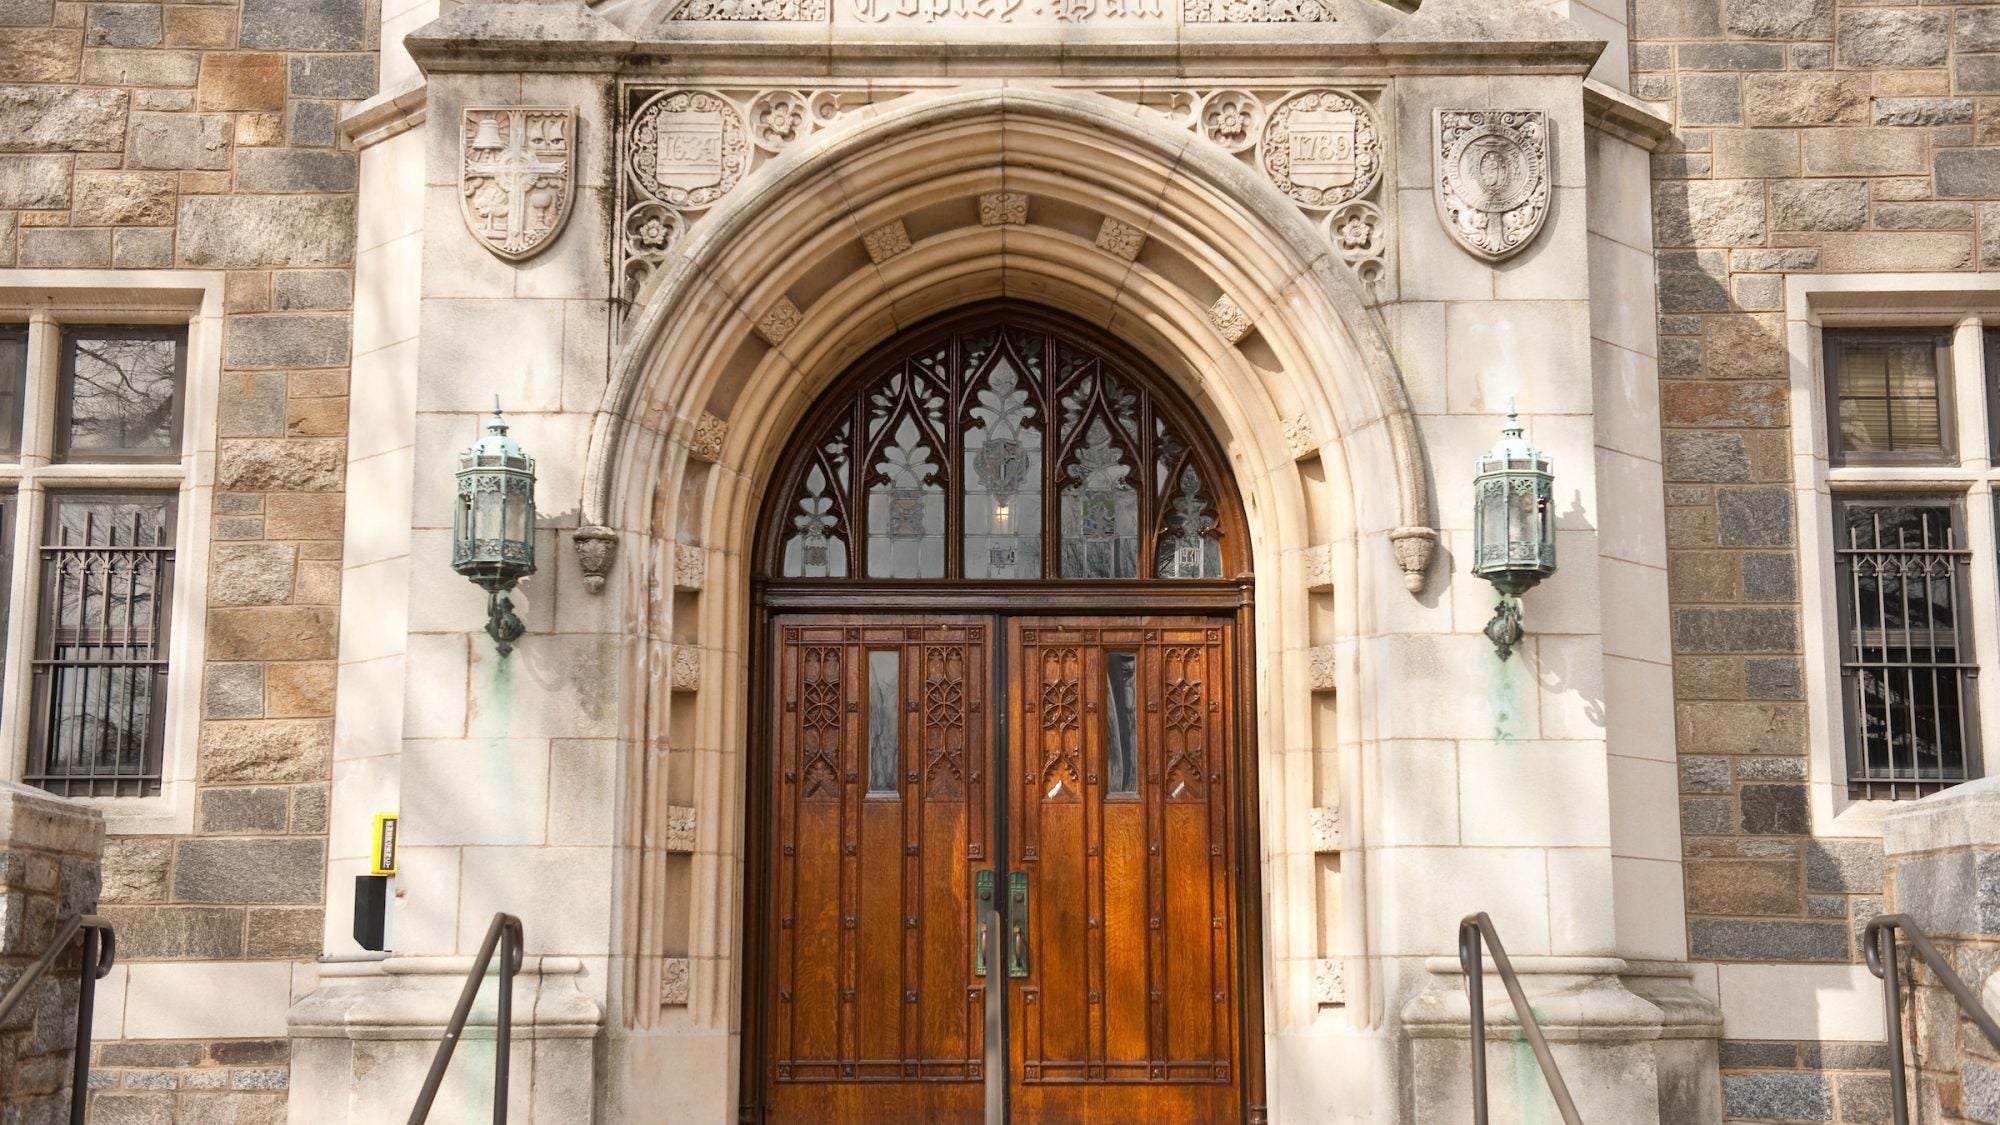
<point x="880" y="816"/>
<point x="1118" y="808"/>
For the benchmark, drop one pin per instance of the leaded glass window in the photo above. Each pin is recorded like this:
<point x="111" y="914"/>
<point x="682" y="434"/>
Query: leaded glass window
<point x="999" y="451"/>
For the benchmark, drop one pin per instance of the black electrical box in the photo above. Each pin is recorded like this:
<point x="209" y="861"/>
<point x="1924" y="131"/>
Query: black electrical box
<point x="371" y="911"/>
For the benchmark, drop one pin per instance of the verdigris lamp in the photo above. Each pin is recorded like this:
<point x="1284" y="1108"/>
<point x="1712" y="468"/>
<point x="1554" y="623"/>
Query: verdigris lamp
<point x="1513" y="527"/>
<point x="493" y="533"/>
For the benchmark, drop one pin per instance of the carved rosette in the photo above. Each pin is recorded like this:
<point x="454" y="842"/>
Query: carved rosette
<point x="1229" y="319"/>
<point x="1492" y="177"/>
<point x="1329" y="982"/>
<point x="684" y="149"/>
<point x="886" y="241"/>
<point x="679" y="834"/>
<point x="690" y="568"/>
<point x="1414" y="546"/>
<point x="1327" y="835"/>
<point x="674" y="983"/>
<point x="516" y="176"/>
<point x="1299" y="437"/>
<point x="687" y="670"/>
<point x="595" y="548"/>
<point x="1320" y="668"/>
<point x="778" y="321"/>
<point x="709" y="434"/>
<point x="1319" y="568"/>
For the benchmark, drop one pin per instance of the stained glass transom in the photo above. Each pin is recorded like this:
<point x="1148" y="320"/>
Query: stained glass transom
<point x="994" y="453"/>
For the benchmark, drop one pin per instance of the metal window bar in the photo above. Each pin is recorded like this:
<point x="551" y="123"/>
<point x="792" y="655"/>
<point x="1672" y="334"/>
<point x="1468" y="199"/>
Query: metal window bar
<point x="503" y="933"/>
<point x="1909" y="697"/>
<point x="100" y="951"/>
<point x="1471" y="929"/>
<point x="1878" y="944"/>
<point x="100" y="665"/>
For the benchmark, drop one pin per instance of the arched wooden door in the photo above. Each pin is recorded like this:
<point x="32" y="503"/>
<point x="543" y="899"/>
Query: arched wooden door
<point x="1004" y="600"/>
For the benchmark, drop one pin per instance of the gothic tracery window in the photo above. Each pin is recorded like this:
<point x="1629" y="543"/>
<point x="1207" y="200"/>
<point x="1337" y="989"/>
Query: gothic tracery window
<point x="994" y="452"/>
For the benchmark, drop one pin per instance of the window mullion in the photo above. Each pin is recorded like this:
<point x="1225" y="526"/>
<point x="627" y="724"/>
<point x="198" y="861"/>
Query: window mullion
<point x="1967" y="378"/>
<point x="23" y="616"/>
<point x="39" y="396"/>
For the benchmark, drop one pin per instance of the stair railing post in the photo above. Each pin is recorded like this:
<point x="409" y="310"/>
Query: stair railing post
<point x="98" y="947"/>
<point x="1879" y="948"/>
<point x="1475" y="994"/>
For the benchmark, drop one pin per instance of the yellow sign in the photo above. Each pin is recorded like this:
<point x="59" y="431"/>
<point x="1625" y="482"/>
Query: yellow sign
<point x="385" y="844"/>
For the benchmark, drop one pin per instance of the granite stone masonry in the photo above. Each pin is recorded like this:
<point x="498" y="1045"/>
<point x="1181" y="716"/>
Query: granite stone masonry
<point x="49" y="856"/>
<point x="199" y="137"/>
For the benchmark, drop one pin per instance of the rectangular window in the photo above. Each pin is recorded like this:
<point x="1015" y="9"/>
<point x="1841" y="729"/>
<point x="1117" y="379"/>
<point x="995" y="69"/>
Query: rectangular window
<point x="1889" y="397"/>
<point x="1906" y="657"/>
<point x="100" y="647"/>
<point x="1121" y="737"/>
<point x="119" y="398"/>
<point x="885" y="727"/>
<point x="13" y="384"/>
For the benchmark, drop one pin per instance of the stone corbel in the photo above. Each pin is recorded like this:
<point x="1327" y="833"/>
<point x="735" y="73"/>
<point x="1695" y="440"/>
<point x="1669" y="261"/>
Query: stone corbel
<point x="595" y="548"/>
<point x="1414" y="546"/>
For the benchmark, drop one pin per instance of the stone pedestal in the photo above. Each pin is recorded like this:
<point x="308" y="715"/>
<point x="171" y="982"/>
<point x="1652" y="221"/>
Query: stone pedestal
<point x="1944" y="859"/>
<point x="49" y="851"/>
<point x="363" y="1041"/>
<point x="1635" y="1043"/>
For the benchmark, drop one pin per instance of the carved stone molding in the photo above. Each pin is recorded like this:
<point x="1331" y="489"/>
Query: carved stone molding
<point x="1120" y="239"/>
<point x="1329" y="982"/>
<point x="687" y="669"/>
<point x="1003" y="208"/>
<point x="886" y="241"/>
<point x="674" y="983"/>
<point x="709" y="434"/>
<point x="595" y="549"/>
<point x="1320" y="667"/>
<point x="678" y="834"/>
<point x="1230" y="320"/>
<point x="1299" y="437"/>
<point x="1328" y="835"/>
<point x="1319" y="568"/>
<point x="777" y="322"/>
<point x="517" y="176"/>
<point x="690" y="567"/>
<point x="1414" y="546"/>
<point x="1256" y="11"/>
<point x="1492" y="177"/>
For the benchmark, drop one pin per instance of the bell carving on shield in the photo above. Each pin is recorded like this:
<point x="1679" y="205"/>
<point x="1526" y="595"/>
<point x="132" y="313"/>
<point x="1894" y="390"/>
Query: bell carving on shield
<point x="488" y="138"/>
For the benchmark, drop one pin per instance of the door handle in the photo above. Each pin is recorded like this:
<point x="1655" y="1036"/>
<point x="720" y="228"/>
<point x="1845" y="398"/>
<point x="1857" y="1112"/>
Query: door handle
<point x="983" y="909"/>
<point x="1017" y="924"/>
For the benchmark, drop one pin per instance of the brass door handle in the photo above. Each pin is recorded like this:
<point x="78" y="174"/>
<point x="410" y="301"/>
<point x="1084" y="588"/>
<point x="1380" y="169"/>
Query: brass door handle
<point x="1017" y="924"/>
<point x="983" y="908"/>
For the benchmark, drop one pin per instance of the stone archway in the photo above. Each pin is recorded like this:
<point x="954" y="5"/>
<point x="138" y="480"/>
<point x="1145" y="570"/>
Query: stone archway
<point x="985" y="193"/>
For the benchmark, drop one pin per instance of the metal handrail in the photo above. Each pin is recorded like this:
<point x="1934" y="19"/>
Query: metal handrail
<point x="100" y="951"/>
<point x="1878" y="942"/>
<point x="505" y="933"/>
<point x="1471" y="929"/>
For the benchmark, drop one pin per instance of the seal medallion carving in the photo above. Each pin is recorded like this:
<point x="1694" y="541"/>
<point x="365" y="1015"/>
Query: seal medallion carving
<point x="516" y="176"/>
<point x="688" y="147"/>
<point x="1492" y="185"/>
<point x="1321" y="148"/>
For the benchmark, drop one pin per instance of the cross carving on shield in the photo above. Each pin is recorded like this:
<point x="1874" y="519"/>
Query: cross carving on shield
<point x="517" y="175"/>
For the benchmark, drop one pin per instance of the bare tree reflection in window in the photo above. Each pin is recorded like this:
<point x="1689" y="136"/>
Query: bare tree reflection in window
<point x="122" y="392"/>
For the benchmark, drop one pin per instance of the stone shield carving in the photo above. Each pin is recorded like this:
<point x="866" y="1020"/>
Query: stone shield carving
<point x="1492" y="185"/>
<point x="1322" y="149"/>
<point x="517" y="176"/>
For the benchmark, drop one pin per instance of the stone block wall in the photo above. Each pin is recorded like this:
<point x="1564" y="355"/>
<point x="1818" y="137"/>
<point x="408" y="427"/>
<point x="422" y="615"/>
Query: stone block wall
<point x="48" y="873"/>
<point x="147" y="136"/>
<point x="1813" y="136"/>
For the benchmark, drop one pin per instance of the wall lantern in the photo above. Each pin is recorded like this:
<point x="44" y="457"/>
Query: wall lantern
<point x="493" y="533"/>
<point x="1513" y="527"/>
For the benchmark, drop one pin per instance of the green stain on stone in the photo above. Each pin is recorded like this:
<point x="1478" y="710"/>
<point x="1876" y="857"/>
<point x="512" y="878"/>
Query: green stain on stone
<point x="1507" y="688"/>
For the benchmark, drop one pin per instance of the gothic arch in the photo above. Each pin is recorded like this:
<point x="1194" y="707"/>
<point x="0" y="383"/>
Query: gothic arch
<point x="1191" y="260"/>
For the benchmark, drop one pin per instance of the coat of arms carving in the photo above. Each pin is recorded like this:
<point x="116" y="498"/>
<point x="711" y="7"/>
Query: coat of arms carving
<point x="1492" y="186"/>
<point x="517" y="176"/>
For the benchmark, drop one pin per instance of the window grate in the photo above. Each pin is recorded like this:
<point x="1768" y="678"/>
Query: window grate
<point x="1906" y="667"/>
<point x="100" y="660"/>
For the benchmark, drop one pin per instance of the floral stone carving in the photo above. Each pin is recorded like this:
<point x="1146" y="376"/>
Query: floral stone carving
<point x="1414" y="546"/>
<point x="1120" y="239"/>
<point x="674" y="973"/>
<point x="516" y="177"/>
<point x="1003" y="208"/>
<point x="1320" y="668"/>
<point x="679" y="835"/>
<point x="690" y="567"/>
<point x="1492" y="186"/>
<point x="886" y="241"/>
<point x="709" y="434"/>
<point x="1229" y="319"/>
<point x="1329" y="982"/>
<point x="687" y="670"/>
<point x="777" y="324"/>
<point x="1327" y="836"/>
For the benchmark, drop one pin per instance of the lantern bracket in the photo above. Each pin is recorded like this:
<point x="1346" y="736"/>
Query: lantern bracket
<point x="501" y="622"/>
<point x="1505" y="629"/>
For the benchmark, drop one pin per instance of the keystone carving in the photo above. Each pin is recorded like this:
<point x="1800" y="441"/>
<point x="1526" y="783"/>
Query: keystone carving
<point x="595" y="548"/>
<point x="1003" y="208"/>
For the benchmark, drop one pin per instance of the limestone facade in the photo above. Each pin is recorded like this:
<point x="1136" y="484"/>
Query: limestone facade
<point x="657" y="229"/>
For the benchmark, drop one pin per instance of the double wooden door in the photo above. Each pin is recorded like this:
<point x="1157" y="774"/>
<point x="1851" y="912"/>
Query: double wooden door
<point x="1068" y="779"/>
